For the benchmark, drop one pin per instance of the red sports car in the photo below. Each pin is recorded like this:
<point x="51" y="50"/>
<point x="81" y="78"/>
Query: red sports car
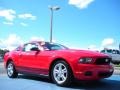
<point x="58" y="62"/>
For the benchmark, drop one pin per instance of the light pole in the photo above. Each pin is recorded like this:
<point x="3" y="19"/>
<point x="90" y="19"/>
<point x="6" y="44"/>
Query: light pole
<point x="52" y="8"/>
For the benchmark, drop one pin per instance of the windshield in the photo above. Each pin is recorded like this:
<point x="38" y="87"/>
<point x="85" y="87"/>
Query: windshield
<point x="109" y="51"/>
<point x="53" y="46"/>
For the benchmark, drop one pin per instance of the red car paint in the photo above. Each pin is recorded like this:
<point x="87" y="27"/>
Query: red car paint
<point x="39" y="62"/>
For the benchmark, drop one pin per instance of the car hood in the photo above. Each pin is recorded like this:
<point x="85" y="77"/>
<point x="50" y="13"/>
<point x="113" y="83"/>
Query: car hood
<point x="81" y="52"/>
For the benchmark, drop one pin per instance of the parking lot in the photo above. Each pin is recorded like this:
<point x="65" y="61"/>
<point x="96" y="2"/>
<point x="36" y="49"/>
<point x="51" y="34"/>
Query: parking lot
<point x="34" y="83"/>
<point x="24" y="82"/>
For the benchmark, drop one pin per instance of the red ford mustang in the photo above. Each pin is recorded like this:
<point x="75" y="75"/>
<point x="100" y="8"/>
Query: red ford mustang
<point x="58" y="62"/>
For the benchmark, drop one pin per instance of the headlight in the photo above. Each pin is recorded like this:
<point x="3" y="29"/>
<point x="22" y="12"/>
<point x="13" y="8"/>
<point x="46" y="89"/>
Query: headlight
<point x="85" y="60"/>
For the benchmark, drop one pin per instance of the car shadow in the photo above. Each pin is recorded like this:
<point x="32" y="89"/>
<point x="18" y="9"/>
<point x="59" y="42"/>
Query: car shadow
<point x="91" y="85"/>
<point x="36" y="78"/>
<point x="98" y="85"/>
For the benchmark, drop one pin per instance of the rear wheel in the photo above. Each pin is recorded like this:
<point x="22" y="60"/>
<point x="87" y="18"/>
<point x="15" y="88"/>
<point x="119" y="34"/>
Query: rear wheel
<point x="11" y="71"/>
<point x="61" y="73"/>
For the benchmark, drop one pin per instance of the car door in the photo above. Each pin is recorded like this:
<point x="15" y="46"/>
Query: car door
<point x="116" y="55"/>
<point x="27" y="58"/>
<point x="43" y="60"/>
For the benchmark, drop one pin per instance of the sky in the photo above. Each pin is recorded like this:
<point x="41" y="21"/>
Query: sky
<point x="80" y="24"/>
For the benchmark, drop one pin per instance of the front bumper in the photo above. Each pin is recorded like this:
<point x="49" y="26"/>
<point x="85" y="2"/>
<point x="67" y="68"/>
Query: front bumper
<point x="93" y="72"/>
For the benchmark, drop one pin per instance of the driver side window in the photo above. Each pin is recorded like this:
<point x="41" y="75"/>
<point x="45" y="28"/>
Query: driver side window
<point x="29" y="46"/>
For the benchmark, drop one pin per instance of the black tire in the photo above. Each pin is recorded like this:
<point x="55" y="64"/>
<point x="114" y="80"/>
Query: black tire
<point x="13" y="73"/>
<point x="68" y="74"/>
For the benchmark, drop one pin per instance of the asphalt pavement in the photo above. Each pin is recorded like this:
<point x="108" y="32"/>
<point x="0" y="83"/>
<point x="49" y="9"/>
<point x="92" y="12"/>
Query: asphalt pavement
<point x="24" y="82"/>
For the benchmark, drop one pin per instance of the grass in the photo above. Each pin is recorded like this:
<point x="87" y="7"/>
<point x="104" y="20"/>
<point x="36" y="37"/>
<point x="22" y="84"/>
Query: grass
<point x="117" y="65"/>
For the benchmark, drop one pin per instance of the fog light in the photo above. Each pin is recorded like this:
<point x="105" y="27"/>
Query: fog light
<point x="88" y="73"/>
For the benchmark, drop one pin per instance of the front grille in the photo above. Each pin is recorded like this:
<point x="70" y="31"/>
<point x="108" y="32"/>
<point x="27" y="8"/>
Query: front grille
<point x="103" y="61"/>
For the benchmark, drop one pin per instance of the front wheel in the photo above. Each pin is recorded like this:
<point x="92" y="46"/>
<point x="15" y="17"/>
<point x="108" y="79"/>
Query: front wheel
<point x="61" y="73"/>
<point x="11" y="72"/>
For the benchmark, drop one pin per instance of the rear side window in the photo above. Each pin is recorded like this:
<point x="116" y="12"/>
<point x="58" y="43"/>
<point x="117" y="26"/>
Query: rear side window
<point x="28" y="47"/>
<point x="18" y="48"/>
<point x="103" y="51"/>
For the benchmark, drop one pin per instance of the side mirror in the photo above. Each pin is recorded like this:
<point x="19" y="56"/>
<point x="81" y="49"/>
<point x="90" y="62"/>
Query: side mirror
<point x="34" y="49"/>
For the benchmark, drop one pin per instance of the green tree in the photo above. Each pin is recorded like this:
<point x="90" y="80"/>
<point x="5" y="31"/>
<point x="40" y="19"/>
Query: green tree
<point x="2" y="52"/>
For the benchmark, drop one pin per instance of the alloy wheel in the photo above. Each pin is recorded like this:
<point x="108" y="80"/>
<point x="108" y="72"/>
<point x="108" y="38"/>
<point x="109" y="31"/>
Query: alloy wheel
<point x="60" y="73"/>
